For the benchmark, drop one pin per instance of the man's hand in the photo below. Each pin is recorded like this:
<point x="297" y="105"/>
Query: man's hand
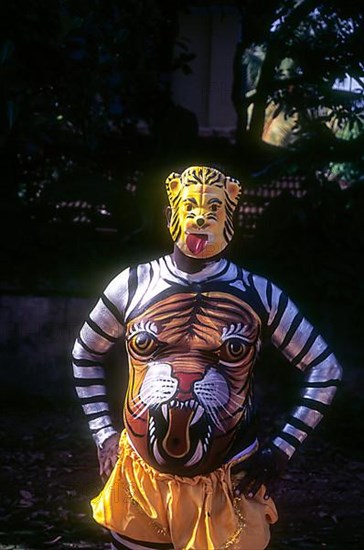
<point x="263" y="468"/>
<point x="108" y="456"/>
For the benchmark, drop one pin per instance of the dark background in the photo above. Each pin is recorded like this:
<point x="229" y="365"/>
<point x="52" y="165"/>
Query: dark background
<point x="89" y="130"/>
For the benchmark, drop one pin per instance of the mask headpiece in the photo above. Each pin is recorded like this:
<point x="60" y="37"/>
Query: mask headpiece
<point x="202" y="201"/>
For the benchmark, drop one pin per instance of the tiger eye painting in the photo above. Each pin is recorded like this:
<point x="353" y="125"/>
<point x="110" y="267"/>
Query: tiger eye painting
<point x="202" y="202"/>
<point x="190" y="379"/>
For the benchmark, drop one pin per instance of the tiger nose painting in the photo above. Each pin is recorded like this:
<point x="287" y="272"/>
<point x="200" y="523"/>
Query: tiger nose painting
<point x="189" y="471"/>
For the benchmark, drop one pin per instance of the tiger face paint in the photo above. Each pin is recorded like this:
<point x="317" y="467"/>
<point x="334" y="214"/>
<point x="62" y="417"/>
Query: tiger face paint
<point x="202" y="201"/>
<point x="190" y="379"/>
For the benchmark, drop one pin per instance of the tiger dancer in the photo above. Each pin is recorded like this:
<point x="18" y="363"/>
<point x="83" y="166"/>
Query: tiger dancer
<point x="187" y="472"/>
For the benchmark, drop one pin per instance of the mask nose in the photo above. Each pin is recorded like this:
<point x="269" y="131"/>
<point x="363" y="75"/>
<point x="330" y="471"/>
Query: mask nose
<point x="200" y="221"/>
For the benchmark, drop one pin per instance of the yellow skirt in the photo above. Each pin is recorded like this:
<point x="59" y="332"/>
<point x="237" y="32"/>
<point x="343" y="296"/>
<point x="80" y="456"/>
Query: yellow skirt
<point x="191" y="513"/>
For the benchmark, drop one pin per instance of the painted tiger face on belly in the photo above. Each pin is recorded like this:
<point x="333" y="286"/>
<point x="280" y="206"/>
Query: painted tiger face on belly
<point x="190" y="361"/>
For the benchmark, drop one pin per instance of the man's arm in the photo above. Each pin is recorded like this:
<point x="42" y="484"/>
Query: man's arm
<point x="305" y="349"/>
<point x="98" y="334"/>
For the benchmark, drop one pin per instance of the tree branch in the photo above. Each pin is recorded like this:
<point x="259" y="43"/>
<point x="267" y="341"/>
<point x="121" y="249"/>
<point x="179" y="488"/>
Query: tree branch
<point x="271" y="60"/>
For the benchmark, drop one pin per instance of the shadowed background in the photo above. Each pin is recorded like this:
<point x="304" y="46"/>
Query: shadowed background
<point x="98" y="103"/>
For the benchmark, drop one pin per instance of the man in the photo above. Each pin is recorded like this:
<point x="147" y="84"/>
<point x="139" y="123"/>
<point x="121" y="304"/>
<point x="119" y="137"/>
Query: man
<point x="187" y="472"/>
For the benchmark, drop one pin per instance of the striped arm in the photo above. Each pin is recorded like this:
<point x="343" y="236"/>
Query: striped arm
<point x="98" y="334"/>
<point x="301" y="344"/>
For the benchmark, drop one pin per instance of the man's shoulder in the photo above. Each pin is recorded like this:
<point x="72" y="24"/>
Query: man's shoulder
<point x="133" y="270"/>
<point x="256" y="285"/>
<point x="250" y="278"/>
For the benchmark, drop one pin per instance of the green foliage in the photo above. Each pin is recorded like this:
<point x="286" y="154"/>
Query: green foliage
<point x="294" y="62"/>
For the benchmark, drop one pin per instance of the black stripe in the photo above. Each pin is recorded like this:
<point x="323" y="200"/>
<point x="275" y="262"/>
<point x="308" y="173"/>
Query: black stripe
<point x="153" y="545"/>
<point x="226" y="235"/>
<point x="290" y="439"/>
<point x="320" y="358"/>
<point x="86" y="382"/>
<point x="220" y="273"/>
<point x="269" y="294"/>
<point x="313" y="404"/>
<point x="132" y="286"/>
<point x="326" y="384"/>
<point x="229" y="227"/>
<point x="292" y="329"/>
<point x="176" y="202"/>
<point x="217" y="275"/>
<point x="175" y="226"/>
<point x="195" y="177"/>
<point x="94" y="416"/>
<point x="229" y="216"/>
<point x="171" y="273"/>
<point x="112" y="308"/>
<point x="297" y="423"/>
<point x="251" y="282"/>
<point x="229" y="222"/>
<point x="96" y="328"/>
<point x="86" y="363"/>
<point x="178" y="234"/>
<point x="211" y="178"/>
<point x="89" y="350"/>
<point x="282" y="305"/>
<point x="263" y="311"/>
<point x="174" y="223"/>
<point x="251" y="279"/>
<point x="310" y="340"/>
<point x="230" y="203"/>
<point x="102" y="428"/>
<point x="93" y="399"/>
<point x="239" y="276"/>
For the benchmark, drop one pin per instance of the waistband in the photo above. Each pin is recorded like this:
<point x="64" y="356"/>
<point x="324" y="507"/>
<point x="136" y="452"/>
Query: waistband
<point x="242" y="455"/>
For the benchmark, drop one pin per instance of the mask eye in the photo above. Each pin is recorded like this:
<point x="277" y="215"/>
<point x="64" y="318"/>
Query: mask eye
<point x="189" y="207"/>
<point x="214" y="207"/>
<point x="232" y="351"/>
<point x="143" y="344"/>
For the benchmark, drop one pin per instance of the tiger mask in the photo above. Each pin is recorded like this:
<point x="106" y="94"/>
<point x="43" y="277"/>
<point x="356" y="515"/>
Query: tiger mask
<point x="202" y="202"/>
<point x="190" y="379"/>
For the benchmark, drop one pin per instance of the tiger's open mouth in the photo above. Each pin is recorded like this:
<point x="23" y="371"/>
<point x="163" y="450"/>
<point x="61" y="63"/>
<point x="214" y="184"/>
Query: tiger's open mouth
<point x="196" y="242"/>
<point x="178" y="431"/>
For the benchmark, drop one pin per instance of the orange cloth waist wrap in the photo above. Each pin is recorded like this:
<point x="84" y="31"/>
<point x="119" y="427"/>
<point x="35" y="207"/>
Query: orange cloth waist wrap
<point x="191" y="513"/>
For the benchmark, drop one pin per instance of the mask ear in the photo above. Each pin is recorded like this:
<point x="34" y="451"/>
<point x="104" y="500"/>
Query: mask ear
<point x="173" y="186"/>
<point x="233" y="189"/>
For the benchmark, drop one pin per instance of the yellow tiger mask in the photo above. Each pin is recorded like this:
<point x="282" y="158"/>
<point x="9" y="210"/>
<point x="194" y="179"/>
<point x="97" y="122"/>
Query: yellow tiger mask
<point x="190" y="379"/>
<point x="202" y="202"/>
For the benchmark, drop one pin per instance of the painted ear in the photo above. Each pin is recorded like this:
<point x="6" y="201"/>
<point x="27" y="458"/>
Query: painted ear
<point x="233" y="189"/>
<point x="173" y="185"/>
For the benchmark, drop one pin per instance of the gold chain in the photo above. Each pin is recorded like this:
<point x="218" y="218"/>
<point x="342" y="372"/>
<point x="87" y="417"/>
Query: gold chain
<point x="241" y="526"/>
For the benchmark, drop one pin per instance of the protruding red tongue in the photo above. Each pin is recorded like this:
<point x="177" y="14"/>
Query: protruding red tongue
<point x="196" y="243"/>
<point x="177" y="441"/>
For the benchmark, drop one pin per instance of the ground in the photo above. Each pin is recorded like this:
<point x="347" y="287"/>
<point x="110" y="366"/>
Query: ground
<point x="49" y="474"/>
